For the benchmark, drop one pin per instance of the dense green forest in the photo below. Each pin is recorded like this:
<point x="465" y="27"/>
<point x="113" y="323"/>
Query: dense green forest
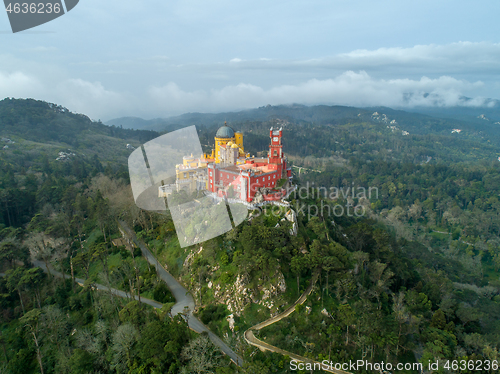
<point x="415" y="278"/>
<point x="45" y="122"/>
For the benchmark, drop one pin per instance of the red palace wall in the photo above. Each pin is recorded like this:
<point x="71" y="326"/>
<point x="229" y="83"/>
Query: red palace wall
<point x="276" y="164"/>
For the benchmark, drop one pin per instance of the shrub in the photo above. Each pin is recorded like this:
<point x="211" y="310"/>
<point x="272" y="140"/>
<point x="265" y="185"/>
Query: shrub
<point x="162" y="294"/>
<point x="213" y="313"/>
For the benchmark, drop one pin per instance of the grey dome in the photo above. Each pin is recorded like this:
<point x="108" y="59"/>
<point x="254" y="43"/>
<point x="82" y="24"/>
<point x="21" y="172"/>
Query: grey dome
<point x="225" y="132"/>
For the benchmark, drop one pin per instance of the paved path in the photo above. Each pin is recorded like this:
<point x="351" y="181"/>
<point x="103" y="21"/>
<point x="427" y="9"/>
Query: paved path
<point x="251" y="339"/>
<point x="182" y="296"/>
<point x="99" y="287"/>
<point x="185" y="299"/>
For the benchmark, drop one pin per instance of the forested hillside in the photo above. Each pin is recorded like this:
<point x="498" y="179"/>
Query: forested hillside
<point x="61" y="214"/>
<point x="413" y="278"/>
<point x="41" y="121"/>
<point x="416" y="120"/>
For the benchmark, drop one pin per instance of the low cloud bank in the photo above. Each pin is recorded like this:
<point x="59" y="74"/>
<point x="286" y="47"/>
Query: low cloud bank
<point x="350" y="88"/>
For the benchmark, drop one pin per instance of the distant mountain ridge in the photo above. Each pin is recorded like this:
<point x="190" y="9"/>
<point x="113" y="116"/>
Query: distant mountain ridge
<point x="32" y="128"/>
<point x="38" y="120"/>
<point x="321" y="131"/>
<point x="417" y="120"/>
<point x="293" y="112"/>
<point x="129" y="122"/>
<point x="464" y="113"/>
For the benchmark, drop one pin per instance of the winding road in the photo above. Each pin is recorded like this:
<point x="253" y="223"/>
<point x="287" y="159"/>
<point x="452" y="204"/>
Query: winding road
<point x="252" y="340"/>
<point x="185" y="303"/>
<point x="99" y="287"/>
<point x="184" y="300"/>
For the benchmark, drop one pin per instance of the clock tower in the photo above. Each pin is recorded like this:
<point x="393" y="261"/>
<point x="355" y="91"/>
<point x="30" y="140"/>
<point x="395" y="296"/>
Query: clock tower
<point x="275" y="148"/>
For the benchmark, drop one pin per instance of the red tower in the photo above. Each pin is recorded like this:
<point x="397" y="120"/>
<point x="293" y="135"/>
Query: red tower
<point x="275" y="148"/>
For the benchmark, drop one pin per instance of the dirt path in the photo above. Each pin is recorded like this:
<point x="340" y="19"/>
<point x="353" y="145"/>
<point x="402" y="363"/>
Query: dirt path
<point x="252" y="340"/>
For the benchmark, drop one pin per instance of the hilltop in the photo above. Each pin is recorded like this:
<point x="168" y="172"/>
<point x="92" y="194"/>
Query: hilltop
<point x="51" y="128"/>
<point x="419" y="119"/>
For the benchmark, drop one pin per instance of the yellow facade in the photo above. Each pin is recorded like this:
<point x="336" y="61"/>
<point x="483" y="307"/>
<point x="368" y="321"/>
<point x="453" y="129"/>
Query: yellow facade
<point x="235" y="142"/>
<point x="188" y="173"/>
<point x="218" y="143"/>
<point x="239" y="141"/>
<point x="190" y="161"/>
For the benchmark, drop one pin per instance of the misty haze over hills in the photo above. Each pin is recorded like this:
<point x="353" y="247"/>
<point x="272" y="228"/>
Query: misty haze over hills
<point x="477" y="115"/>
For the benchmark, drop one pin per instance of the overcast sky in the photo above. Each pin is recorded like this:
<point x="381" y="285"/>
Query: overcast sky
<point x="155" y="58"/>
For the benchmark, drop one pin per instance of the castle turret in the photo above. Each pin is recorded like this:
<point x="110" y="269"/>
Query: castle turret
<point x="239" y="141"/>
<point x="275" y="147"/>
<point x="224" y="135"/>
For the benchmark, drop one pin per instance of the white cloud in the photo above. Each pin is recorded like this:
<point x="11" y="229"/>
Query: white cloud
<point x="349" y="88"/>
<point x="76" y="94"/>
<point x="462" y="56"/>
<point x="90" y="98"/>
<point x="426" y="75"/>
<point x="431" y="51"/>
<point x="171" y="99"/>
<point x="18" y="84"/>
<point x="457" y="58"/>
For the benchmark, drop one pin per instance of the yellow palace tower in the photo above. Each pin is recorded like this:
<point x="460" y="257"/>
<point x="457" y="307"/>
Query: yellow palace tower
<point x="226" y="137"/>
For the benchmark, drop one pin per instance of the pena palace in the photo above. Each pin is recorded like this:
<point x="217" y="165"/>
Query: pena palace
<point x="230" y="172"/>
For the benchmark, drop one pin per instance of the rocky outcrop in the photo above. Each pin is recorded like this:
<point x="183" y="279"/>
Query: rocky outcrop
<point x="238" y="295"/>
